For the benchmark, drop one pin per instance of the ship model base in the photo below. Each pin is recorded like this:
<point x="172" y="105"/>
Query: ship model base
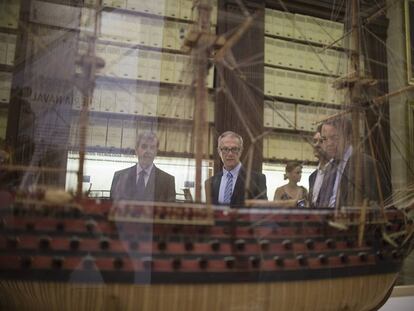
<point x="348" y="293"/>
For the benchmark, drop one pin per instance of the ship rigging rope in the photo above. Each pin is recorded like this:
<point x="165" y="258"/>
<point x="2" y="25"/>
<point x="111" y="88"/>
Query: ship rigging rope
<point x="230" y="64"/>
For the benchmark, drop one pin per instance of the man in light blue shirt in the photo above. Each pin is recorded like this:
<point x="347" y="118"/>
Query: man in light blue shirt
<point x="228" y="186"/>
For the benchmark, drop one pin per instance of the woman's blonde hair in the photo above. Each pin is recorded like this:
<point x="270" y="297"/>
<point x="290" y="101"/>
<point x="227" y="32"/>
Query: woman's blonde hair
<point x="290" y="166"/>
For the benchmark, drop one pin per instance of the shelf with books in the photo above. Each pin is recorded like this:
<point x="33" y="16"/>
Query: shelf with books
<point x="289" y="84"/>
<point x="120" y="134"/>
<point x="150" y="100"/>
<point x="301" y="70"/>
<point x="303" y="56"/>
<point x="291" y="116"/>
<point x="128" y="116"/>
<point x="6" y="68"/>
<point x="286" y="146"/>
<point x="303" y="28"/>
<point x="8" y="30"/>
<point x="5" y="86"/>
<point x="310" y="103"/>
<point x="3" y="120"/>
<point x="129" y="27"/>
<point x="187" y="19"/>
<point x="276" y="160"/>
<point x="144" y="65"/>
<point x="123" y="28"/>
<point x="147" y="81"/>
<point x="288" y="131"/>
<point x="55" y="15"/>
<point x="7" y="51"/>
<point x="130" y="151"/>
<point x="137" y="46"/>
<point x="318" y="45"/>
<point x="171" y="9"/>
<point x="9" y="16"/>
<point x="296" y="119"/>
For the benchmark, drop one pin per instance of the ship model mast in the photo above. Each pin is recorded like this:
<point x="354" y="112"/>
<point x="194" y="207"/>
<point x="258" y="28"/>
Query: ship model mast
<point x="89" y="63"/>
<point x="200" y="53"/>
<point x="355" y="97"/>
<point x="207" y="49"/>
<point x="354" y="82"/>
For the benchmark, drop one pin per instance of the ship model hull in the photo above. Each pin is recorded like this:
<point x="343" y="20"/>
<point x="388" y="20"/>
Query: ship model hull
<point x="130" y="255"/>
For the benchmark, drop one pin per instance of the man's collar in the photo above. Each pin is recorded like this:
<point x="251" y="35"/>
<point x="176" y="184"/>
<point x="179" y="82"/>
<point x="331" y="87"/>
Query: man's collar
<point x="234" y="171"/>
<point x="322" y="167"/>
<point x="148" y="170"/>
<point x="348" y="152"/>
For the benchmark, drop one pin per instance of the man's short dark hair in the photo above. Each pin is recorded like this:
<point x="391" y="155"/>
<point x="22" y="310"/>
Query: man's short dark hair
<point x="342" y="124"/>
<point x="319" y="128"/>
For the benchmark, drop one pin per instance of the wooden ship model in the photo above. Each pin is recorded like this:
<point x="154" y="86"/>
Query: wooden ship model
<point x="60" y="253"/>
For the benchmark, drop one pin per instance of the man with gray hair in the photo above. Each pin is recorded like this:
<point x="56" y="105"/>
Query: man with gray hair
<point x="228" y="186"/>
<point x="144" y="181"/>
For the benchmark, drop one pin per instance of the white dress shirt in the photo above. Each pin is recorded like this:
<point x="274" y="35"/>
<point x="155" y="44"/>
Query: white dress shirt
<point x="147" y="172"/>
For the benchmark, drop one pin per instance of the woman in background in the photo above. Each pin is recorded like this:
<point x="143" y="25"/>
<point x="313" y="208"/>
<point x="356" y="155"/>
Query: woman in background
<point x="291" y="191"/>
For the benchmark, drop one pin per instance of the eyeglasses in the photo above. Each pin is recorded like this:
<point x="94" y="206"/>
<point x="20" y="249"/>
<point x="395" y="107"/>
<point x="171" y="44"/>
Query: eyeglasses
<point x="228" y="150"/>
<point x="148" y="147"/>
<point x="317" y="141"/>
<point x="334" y="138"/>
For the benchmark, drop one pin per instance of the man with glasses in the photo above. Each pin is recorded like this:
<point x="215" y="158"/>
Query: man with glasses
<point x="144" y="181"/>
<point x="316" y="178"/>
<point x="339" y="186"/>
<point x="228" y="186"/>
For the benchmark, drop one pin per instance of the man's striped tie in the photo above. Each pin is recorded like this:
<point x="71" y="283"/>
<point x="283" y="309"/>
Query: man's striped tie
<point x="228" y="191"/>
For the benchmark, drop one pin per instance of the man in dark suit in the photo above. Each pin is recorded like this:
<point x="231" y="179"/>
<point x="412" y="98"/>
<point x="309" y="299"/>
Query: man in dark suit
<point x="228" y="186"/>
<point x="317" y="177"/>
<point x="144" y="181"/>
<point x="340" y="189"/>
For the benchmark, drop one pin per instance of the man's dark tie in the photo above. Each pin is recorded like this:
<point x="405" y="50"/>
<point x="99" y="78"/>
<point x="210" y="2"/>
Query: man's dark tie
<point x="140" y="185"/>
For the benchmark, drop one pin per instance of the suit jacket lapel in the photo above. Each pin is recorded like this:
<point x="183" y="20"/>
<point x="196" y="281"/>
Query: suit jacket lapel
<point x="327" y="186"/>
<point x="346" y="186"/>
<point x="238" y="192"/>
<point x="131" y="182"/>
<point x="312" y="179"/>
<point x="150" y="187"/>
<point x="215" y="187"/>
